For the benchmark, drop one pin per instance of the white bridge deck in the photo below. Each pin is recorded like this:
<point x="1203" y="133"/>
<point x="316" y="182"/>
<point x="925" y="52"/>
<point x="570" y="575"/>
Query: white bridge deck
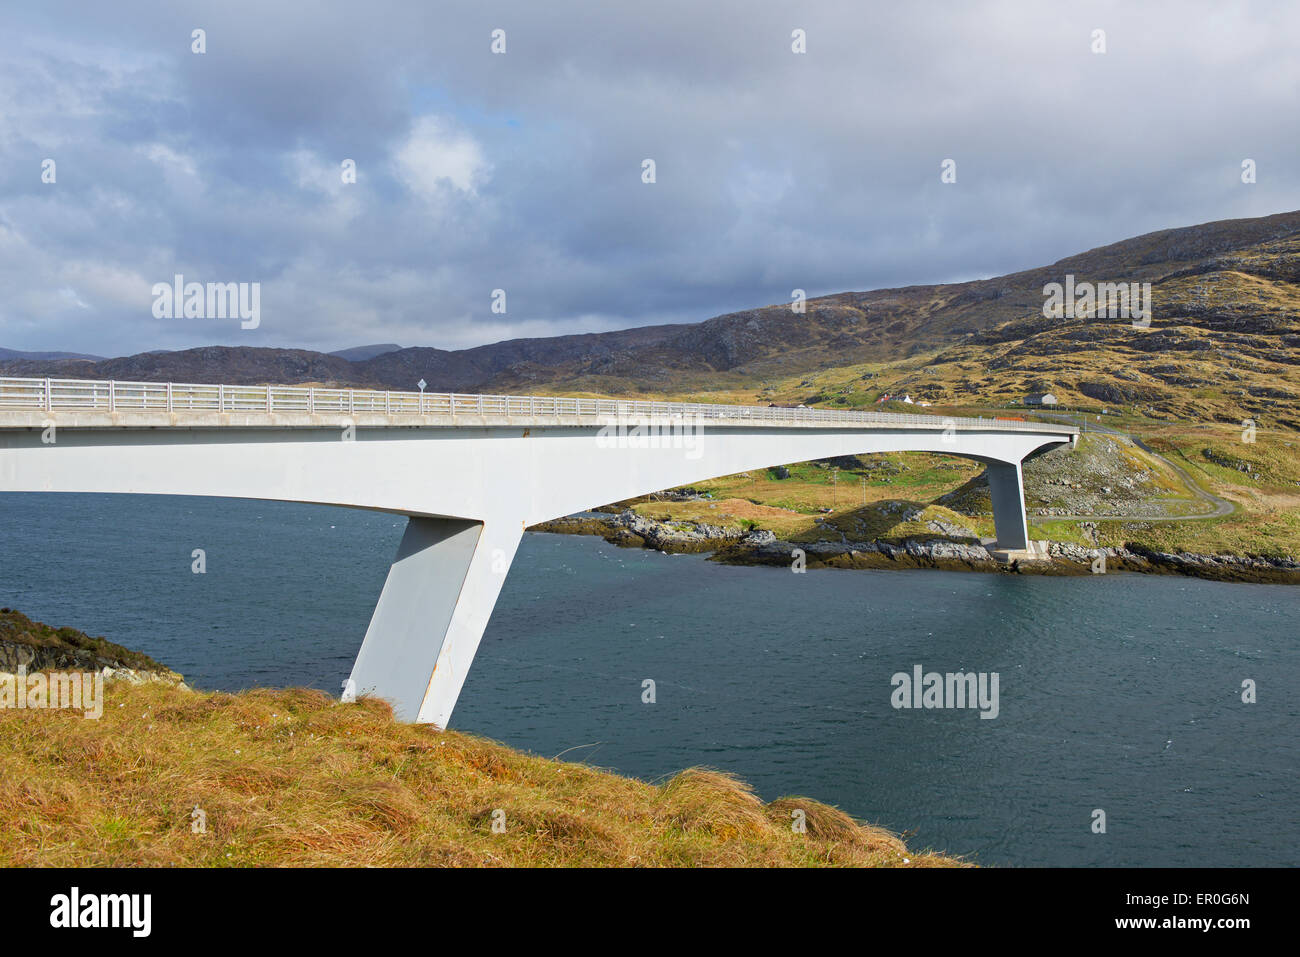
<point x="166" y="403"/>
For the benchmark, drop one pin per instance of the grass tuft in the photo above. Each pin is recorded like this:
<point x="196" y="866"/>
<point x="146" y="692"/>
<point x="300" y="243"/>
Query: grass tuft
<point x="294" y="778"/>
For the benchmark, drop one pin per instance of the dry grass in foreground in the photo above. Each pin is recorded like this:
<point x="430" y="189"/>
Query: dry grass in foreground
<point x="291" y="777"/>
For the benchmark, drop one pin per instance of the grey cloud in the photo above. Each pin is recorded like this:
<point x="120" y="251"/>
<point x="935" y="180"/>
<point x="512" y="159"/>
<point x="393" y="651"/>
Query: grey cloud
<point x="774" y="170"/>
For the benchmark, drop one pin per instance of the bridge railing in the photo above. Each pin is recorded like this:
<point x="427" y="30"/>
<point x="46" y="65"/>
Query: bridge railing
<point x="111" y="396"/>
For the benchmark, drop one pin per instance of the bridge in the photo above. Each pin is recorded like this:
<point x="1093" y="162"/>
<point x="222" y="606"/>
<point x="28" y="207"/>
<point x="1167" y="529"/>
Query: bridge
<point x="470" y="472"/>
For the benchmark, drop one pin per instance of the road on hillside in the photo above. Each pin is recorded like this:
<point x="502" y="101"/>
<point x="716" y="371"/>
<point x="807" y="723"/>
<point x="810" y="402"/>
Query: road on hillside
<point x="1219" y="506"/>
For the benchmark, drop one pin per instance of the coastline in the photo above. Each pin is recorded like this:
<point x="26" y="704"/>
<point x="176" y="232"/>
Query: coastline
<point x="736" y="546"/>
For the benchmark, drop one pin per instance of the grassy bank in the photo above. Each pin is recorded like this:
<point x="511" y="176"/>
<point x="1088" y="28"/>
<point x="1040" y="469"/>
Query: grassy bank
<point x="896" y="496"/>
<point x="292" y="777"/>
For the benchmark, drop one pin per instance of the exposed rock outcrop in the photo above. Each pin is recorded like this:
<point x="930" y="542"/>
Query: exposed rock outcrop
<point x="957" y="550"/>
<point x="36" y="647"/>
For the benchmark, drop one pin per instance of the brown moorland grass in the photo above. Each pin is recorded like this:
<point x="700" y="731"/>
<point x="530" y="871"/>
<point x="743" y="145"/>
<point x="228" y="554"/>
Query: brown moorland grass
<point x="294" y="778"/>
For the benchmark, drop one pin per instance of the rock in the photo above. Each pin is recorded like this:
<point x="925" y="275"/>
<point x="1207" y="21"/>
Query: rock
<point x="762" y="547"/>
<point x="950" y="529"/>
<point x="842" y="462"/>
<point x="684" y="494"/>
<point x="34" y="646"/>
<point x="1120" y="395"/>
<point x="1227" y="461"/>
<point x="675" y="536"/>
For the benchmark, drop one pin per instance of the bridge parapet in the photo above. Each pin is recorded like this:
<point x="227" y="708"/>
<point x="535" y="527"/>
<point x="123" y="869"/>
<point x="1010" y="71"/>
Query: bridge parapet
<point x="106" y="403"/>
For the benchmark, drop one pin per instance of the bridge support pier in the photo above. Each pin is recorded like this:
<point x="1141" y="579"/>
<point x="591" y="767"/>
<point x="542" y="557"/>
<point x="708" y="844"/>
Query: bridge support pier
<point x="431" y="614"/>
<point x="1007" y="489"/>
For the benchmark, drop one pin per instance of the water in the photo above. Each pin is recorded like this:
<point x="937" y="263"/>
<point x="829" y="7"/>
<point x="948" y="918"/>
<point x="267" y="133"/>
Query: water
<point x="1118" y="692"/>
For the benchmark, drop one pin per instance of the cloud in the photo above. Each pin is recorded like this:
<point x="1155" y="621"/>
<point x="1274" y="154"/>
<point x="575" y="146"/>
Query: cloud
<point x="522" y="171"/>
<point x="434" y="157"/>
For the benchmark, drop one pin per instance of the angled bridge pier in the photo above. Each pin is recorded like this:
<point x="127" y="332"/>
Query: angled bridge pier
<point x="469" y="471"/>
<point x="432" y="613"/>
<point x="1007" y="490"/>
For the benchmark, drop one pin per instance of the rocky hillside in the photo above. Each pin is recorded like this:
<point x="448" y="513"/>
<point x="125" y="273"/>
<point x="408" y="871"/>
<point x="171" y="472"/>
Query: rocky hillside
<point x="1224" y="344"/>
<point x="37" y="647"/>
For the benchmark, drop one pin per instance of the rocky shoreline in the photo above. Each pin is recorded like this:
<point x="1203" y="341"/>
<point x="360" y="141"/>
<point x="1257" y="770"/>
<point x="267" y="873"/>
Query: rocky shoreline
<point x="736" y="546"/>
<point x="33" y="647"/>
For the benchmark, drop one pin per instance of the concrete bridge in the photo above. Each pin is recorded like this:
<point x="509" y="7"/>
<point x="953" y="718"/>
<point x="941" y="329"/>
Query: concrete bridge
<point x="471" y="472"/>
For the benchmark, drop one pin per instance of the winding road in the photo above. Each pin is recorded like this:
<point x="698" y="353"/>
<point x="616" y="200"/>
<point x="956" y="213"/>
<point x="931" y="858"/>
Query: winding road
<point x="1219" y="506"/>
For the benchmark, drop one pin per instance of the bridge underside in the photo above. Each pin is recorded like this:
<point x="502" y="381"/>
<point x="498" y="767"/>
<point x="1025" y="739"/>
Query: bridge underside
<point x="469" y="493"/>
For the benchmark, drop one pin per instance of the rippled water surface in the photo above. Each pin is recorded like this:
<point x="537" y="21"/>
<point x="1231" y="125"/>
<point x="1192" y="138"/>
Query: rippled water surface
<point x="1118" y="692"/>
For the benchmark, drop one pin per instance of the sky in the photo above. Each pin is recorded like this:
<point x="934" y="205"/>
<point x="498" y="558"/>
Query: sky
<point x="524" y="170"/>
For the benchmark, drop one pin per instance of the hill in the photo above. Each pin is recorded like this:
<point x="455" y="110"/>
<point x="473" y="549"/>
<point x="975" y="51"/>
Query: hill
<point x="361" y="353"/>
<point x="294" y="778"/>
<point x="1223" y="342"/>
<point x="11" y="354"/>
